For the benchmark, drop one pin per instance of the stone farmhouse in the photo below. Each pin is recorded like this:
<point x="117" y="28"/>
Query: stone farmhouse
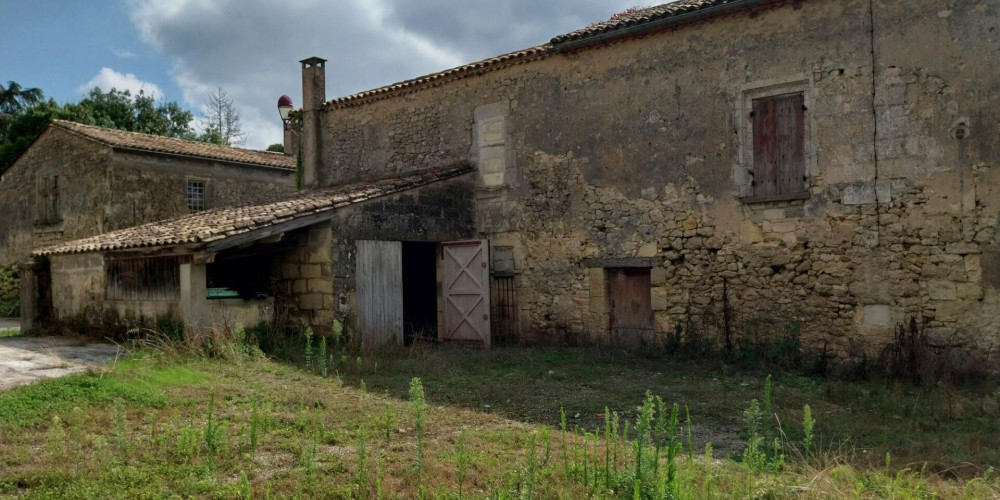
<point x="824" y="165"/>
<point x="78" y="180"/>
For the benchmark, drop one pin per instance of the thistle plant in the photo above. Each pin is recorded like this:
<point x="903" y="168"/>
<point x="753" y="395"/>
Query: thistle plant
<point x="309" y="354"/>
<point x="607" y="447"/>
<point x="753" y="455"/>
<point x="321" y="359"/>
<point x="390" y="418"/>
<point x="642" y="428"/>
<point x="565" y="454"/>
<point x="419" y="406"/>
<point x="768" y="392"/>
<point x="254" y="427"/>
<point x="461" y="461"/>
<point x="807" y="425"/>
<point x="690" y="442"/>
<point x="674" y="446"/>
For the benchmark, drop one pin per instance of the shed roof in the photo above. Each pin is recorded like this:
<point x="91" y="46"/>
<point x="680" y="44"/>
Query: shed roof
<point x="159" y="144"/>
<point x="216" y="225"/>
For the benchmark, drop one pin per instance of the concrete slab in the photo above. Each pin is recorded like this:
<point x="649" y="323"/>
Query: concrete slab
<point x="24" y="360"/>
<point x="10" y="324"/>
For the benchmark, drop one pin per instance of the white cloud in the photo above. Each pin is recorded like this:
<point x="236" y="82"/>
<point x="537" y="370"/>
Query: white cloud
<point x="123" y="53"/>
<point x="108" y="79"/>
<point x="251" y="48"/>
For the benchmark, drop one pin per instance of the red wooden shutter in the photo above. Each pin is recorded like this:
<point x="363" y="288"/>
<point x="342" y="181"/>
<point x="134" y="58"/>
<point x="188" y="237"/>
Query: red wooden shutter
<point x="765" y="168"/>
<point x="789" y="143"/>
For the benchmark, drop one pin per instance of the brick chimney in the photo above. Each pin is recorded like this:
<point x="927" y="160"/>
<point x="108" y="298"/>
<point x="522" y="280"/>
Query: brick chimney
<point x="313" y="97"/>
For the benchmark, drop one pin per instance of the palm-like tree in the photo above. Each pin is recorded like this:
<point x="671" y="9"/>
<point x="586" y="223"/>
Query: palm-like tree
<point x="14" y="98"/>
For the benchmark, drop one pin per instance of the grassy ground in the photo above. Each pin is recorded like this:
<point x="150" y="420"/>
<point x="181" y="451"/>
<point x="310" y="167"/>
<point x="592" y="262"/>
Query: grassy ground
<point x="491" y="428"/>
<point x="9" y="333"/>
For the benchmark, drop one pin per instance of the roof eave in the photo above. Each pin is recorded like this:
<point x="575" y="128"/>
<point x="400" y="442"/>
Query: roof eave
<point x="288" y="170"/>
<point x="650" y="26"/>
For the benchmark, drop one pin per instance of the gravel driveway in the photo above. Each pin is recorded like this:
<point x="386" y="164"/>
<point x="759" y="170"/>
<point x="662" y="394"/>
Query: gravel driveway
<point x="24" y="360"/>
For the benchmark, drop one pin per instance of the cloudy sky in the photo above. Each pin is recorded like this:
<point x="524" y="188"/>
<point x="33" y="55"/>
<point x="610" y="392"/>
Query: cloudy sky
<point x="182" y="50"/>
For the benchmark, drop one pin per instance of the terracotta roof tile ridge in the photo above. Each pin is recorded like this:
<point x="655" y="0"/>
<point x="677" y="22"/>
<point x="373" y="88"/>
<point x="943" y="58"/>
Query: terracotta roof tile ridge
<point x="433" y="79"/>
<point x="161" y="144"/>
<point x="642" y="16"/>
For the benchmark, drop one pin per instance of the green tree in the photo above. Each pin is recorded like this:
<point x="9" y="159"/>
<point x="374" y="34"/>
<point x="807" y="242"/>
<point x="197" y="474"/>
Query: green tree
<point x="14" y="98"/>
<point x="212" y="135"/>
<point x="116" y="109"/>
<point x="276" y="148"/>
<point x="22" y="129"/>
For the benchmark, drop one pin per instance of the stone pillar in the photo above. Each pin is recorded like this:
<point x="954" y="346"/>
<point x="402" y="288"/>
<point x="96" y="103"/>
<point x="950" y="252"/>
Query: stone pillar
<point x="194" y="292"/>
<point x="313" y="97"/>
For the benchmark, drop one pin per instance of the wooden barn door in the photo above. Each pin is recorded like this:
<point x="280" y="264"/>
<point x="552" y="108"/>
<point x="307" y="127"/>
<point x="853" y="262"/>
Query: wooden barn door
<point x="466" y="292"/>
<point x="379" y="280"/>
<point x="631" y="307"/>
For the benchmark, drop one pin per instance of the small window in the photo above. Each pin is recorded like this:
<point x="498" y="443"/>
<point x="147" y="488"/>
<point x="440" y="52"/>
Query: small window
<point x="47" y="202"/>
<point x="195" y="196"/>
<point x="779" y="167"/>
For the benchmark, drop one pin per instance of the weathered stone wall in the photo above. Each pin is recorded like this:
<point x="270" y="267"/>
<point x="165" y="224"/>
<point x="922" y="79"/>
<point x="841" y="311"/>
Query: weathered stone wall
<point x="639" y="149"/>
<point x="154" y="187"/>
<point x="78" y="284"/>
<point x="435" y="213"/>
<point x="80" y="167"/>
<point x="305" y="278"/>
<point x="103" y="190"/>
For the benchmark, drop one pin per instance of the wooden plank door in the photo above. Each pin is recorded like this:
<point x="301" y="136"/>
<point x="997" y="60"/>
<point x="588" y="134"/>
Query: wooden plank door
<point x="466" y="292"/>
<point x="631" y="307"/>
<point x="379" y="278"/>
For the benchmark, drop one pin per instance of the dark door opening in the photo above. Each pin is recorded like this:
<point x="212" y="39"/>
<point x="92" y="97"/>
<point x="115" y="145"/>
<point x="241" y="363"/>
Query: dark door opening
<point x="420" y="305"/>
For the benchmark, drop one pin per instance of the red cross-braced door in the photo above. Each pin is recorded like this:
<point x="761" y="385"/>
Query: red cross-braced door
<point x="466" y="292"/>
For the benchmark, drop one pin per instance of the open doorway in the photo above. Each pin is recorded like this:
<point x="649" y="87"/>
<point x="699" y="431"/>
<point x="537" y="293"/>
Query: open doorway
<point x="420" y="305"/>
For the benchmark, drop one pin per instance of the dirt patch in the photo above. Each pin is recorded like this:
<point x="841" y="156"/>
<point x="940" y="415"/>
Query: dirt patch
<point x="24" y="360"/>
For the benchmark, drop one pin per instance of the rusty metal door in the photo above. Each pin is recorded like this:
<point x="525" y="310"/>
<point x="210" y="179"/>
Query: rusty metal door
<point x="631" y="308"/>
<point x="466" y="292"/>
<point x="379" y="278"/>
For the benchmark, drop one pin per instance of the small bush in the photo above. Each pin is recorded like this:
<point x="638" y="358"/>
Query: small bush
<point x="10" y="292"/>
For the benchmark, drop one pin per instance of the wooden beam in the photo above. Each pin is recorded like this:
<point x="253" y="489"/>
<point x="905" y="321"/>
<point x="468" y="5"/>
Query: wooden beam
<point x="272" y="230"/>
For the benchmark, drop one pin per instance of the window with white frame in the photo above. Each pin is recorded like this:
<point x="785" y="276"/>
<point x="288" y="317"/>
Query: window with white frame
<point x="195" y="195"/>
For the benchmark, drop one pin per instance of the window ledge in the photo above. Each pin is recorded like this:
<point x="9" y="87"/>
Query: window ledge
<point x="804" y="195"/>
